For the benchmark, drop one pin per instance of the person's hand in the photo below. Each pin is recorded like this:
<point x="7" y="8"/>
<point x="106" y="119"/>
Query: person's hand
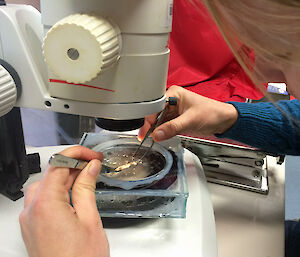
<point x="194" y="115"/>
<point x="51" y="226"/>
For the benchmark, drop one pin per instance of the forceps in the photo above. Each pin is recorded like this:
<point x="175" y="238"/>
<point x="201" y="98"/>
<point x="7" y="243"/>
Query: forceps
<point x="172" y="101"/>
<point x="59" y="160"/>
<point x="157" y="122"/>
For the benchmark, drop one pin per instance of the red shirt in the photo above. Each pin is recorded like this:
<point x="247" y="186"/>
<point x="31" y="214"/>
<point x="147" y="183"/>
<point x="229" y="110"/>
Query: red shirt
<point x="200" y="59"/>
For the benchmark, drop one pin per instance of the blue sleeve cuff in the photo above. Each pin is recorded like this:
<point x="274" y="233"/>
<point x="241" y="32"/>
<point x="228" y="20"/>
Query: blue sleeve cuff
<point x="265" y="126"/>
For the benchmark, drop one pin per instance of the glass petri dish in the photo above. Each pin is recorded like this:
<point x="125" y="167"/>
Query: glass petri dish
<point x="150" y="169"/>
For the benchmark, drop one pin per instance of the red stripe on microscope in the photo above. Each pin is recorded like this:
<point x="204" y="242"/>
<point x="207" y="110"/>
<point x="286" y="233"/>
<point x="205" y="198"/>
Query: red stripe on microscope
<point x="81" y="85"/>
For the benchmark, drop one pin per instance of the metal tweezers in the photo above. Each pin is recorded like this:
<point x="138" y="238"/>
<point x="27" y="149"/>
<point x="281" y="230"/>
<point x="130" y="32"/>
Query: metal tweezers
<point x="160" y="117"/>
<point x="158" y="121"/>
<point x="61" y="161"/>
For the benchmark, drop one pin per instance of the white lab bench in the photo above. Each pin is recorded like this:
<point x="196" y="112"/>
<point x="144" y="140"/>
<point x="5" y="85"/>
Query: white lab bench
<point x="247" y="224"/>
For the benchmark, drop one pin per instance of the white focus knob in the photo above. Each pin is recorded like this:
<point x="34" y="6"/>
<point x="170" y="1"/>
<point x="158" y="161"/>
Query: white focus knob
<point x="8" y="92"/>
<point x="78" y="47"/>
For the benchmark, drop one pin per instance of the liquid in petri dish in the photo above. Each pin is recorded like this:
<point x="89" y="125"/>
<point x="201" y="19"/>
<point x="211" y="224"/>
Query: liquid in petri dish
<point x="117" y="156"/>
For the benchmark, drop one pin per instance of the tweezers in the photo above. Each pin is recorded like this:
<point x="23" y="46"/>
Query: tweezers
<point x="158" y="121"/>
<point x="61" y="161"/>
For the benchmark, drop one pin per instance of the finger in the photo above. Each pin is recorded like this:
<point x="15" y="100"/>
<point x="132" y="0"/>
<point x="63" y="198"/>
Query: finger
<point x="85" y="155"/>
<point x="171" y="128"/>
<point x="175" y="91"/>
<point x="83" y="192"/>
<point x="57" y="179"/>
<point x="147" y="124"/>
<point x="82" y="153"/>
<point x="30" y="193"/>
<point x="73" y="175"/>
<point x="61" y="175"/>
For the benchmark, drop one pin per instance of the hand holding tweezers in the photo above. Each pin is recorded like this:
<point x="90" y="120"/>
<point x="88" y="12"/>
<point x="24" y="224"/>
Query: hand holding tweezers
<point x="158" y="121"/>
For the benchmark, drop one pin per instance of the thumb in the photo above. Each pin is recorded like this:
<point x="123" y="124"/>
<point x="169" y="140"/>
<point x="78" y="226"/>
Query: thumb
<point x="83" y="191"/>
<point x="170" y="129"/>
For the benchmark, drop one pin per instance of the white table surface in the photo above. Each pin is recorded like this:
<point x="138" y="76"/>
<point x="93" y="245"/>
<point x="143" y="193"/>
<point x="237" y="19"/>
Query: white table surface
<point x="249" y="224"/>
<point x="193" y="236"/>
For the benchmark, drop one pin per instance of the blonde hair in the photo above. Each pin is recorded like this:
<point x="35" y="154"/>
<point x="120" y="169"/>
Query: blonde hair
<point x="268" y="28"/>
<point x="262" y="34"/>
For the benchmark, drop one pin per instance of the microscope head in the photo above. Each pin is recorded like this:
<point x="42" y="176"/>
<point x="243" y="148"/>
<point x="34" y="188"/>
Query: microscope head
<point x="109" y="59"/>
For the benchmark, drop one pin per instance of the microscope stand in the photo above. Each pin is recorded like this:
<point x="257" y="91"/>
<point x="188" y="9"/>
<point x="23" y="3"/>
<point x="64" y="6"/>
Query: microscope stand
<point x="15" y="164"/>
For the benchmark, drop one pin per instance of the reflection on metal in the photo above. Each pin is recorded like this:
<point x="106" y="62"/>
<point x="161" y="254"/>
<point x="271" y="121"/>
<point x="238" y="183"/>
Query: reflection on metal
<point x="231" y="165"/>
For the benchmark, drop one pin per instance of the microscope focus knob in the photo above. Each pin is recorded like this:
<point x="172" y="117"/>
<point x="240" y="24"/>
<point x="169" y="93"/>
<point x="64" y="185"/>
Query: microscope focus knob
<point x="80" y="46"/>
<point x="8" y="92"/>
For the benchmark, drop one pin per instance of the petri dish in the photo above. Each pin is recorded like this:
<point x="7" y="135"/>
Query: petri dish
<point x="150" y="169"/>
